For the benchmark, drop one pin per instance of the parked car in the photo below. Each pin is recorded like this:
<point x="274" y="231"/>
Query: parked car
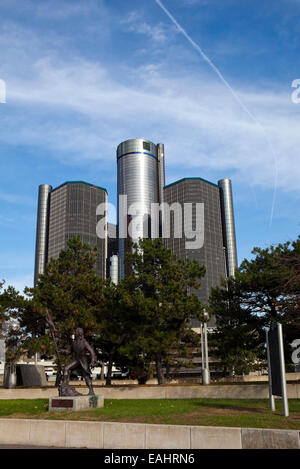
<point x="49" y="371"/>
<point x="117" y="374"/>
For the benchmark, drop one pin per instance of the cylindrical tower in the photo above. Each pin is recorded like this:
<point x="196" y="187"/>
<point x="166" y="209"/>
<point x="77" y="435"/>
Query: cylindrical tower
<point x="114" y="271"/>
<point x="228" y="225"/>
<point x="138" y="188"/>
<point x="161" y="182"/>
<point x="161" y="171"/>
<point x="42" y="230"/>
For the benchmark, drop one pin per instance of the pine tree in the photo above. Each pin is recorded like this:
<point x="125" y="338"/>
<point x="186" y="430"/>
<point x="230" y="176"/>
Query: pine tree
<point x="265" y="290"/>
<point x="160" y="285"/>
<point x="71" y="292"/>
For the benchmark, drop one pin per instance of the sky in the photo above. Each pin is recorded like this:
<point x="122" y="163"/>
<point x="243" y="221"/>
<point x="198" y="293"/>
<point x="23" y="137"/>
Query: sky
<point x="211" y="79"/>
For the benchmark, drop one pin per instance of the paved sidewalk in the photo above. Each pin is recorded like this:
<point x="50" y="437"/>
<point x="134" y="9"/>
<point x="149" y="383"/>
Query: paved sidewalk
<point x="30" y="447"/>
<point x="21" y="447"/>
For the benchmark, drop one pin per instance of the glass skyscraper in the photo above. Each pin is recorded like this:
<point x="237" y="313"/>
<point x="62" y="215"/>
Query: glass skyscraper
<point x="218" y="253"/>
<point x="66" y="211"/>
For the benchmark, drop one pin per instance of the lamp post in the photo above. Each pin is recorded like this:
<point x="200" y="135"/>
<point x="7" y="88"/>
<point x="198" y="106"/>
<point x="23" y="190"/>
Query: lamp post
<point x="204" y="349"/>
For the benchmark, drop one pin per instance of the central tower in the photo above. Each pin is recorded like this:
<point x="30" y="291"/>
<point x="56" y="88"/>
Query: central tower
<point x="141" y="178"/>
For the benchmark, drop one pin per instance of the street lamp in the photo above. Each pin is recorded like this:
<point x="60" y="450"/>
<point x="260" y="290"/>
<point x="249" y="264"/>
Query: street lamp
<point x="204" y="349"/>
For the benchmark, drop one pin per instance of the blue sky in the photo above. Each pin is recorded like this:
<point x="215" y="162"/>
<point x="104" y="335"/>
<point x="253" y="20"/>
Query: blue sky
<point x="82" y="76"/>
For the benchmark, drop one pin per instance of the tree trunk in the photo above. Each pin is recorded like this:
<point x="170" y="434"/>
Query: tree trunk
<point x="142" y="379"/>
<point x="58" y="377"/>
<point x="109" y="369"/>
<point x="102" y="371"/>
<point x="159" y="369"/>
<point x="167" y="370"/>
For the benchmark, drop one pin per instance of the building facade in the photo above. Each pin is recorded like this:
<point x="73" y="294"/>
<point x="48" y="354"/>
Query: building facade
<point x="229" y="237"/>
<point x="112" y="253"/>
<point x="141" y="178"/>
<point x="215" y="250"/>
<point x="42" y="230"/>
<point x="66" y="211"/>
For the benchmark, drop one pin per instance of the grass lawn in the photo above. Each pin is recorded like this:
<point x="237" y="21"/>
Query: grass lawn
<point x="252" y="413"/>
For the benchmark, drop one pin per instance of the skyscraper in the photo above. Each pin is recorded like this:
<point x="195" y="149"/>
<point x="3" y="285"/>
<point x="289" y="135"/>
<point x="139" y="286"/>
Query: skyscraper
<point x="42" y="230"/>
<point x="218" y="252"/>
<point x="229" y="236"/>
<point x="141" y="178"/>
<point x="66" y="211"/>
<point x="112" y="253"/>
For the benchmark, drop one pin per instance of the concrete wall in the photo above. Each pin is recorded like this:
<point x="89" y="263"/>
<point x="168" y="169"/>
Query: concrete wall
<point x="32" y="375"/>
<point x="255" y="378"/>
<point x="249" y="391"/>
<point x="106" y="435"/>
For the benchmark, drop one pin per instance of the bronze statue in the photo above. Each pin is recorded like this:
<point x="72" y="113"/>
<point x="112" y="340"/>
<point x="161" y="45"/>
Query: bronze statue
<point x="80" y="348"/>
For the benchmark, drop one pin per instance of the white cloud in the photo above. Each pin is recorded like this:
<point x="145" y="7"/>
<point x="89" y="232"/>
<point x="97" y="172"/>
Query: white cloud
<point x="158" y="33"/>
<point x="198" y="119"/>
<point x="81" y="109"/>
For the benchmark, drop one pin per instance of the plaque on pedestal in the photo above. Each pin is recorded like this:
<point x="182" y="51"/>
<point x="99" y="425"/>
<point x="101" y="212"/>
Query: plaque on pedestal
<point x="75" y="403"/>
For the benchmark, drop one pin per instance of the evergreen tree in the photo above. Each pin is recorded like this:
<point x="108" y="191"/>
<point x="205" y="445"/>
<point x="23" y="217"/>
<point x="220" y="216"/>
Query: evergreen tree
<point x="71" y="292"/>
<point x="264" y="291"/>
<point x="117" y="326"/>
<point x="238" y="340"/>
<point x="160" y="286"/>
<point x="10" y="301"/>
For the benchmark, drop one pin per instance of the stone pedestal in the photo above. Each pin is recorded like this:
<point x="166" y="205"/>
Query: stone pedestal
<point x="57" y="404"/>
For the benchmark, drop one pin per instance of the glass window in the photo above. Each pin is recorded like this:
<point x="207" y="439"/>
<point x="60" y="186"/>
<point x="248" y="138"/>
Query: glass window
<point x="146" y="146"/>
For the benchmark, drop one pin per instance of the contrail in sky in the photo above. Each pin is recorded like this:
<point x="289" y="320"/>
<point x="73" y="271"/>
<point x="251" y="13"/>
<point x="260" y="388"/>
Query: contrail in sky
<point x="236" y="97"/>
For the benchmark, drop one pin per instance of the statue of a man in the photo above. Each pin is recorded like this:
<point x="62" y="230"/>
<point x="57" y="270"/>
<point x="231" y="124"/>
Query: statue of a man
<point x="80" y="348"/>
